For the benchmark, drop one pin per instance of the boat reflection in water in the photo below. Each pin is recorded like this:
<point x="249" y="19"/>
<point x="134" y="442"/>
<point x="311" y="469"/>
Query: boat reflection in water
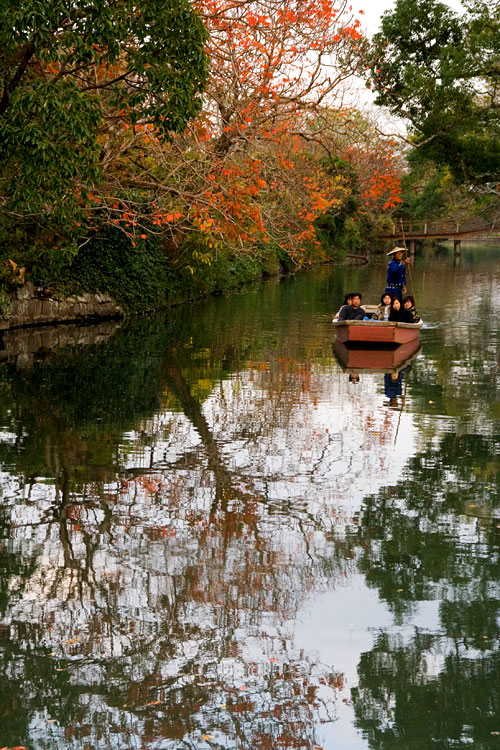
<point x="392" y="362"/>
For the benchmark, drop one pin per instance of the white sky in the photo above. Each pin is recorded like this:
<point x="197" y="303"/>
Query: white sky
<point x="374" y="9"/>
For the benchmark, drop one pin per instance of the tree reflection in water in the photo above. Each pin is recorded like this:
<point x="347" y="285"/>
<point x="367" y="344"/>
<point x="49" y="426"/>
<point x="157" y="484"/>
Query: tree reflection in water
<point x="149" y="584"/>
<point x="435" y="537"/>
<point x="171" y="500"/>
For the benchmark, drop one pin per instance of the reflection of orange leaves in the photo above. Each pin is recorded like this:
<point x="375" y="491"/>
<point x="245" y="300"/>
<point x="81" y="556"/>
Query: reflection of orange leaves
<point x="241" y="707"/>
<point x="150" y="485"/>
<point x="336" y="681"/>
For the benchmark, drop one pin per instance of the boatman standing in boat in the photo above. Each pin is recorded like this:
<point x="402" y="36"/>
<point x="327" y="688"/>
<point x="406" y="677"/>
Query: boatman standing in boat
<point x="396" y="273"/>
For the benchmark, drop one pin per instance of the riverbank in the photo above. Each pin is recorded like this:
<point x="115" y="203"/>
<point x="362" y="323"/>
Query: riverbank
<point x="29" y="305"/>
<point x="109" y="280"/>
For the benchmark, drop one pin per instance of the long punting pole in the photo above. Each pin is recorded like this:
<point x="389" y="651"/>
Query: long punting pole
<point x="409" y="264"/>
<point x="403" y="399"/>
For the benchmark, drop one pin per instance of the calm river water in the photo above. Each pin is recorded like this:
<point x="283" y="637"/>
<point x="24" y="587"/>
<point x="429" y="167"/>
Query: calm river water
<point x="210" y="538"/>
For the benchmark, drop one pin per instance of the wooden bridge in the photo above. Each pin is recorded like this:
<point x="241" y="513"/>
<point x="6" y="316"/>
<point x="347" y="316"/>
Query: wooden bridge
<point x="411" y="231"/>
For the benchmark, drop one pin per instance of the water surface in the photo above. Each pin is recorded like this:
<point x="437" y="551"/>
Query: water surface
<point x="210" y="538"/>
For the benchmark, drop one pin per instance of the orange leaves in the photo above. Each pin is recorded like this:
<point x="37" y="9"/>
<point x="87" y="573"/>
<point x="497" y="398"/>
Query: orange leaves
<point x="382" y="188"/>
<point x="352" y="32"/>
<point x="250" y="169"/>
<point x="52" y="68"/>
<point x="250" y="49"/>
<point x="166" y="218"/>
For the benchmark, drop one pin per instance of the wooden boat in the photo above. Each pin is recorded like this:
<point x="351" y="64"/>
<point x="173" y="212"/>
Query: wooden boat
<point x="366" y="359"/>
<point x="383" y="332"/>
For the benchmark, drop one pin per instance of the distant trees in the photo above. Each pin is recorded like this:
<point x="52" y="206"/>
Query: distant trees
<point x="441" y="73"/>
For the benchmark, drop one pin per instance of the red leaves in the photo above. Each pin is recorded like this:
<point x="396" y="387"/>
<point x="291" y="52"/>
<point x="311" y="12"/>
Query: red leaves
<point x="242" y="173"/>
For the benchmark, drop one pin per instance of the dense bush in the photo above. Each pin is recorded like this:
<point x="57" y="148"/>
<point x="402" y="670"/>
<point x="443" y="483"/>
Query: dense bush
<point x="144" y="274"/>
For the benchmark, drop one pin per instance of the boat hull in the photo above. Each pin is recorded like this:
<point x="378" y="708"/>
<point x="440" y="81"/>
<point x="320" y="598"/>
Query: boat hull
<point x="379" y="332"/>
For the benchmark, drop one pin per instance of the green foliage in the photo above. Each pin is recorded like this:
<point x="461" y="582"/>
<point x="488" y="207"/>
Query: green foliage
<point x="441" y="73"/>
<point x="141" y="275"/>
<point x="71" y="72"/>
<point x="226" y="269"/>
<point x="431" y="192"/>
<point x="345" y="231"/>
<point x="427" y="191"/>
<point x="136" y="273"/>
<point x="342" y="233"/>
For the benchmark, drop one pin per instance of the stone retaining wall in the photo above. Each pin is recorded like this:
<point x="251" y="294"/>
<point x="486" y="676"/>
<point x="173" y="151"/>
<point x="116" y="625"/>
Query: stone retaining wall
<point x="22" y="347"/>
<point x="32" y="306"/>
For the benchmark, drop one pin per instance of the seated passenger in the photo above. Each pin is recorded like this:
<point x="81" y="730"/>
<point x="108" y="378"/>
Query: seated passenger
<point x="347" y="301"/>
<point x="410" y="315"/>
<point x="383" y="310"/>
<point x="354" y="311"/>
<point x="396" y="310"/>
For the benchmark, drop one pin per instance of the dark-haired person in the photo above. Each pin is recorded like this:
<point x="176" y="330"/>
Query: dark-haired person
<point x="354" y="311"/>
<point x="383" y="310"/>
<point x="347" y="301"/>
<point x="409" y="315"/>
<point x="396" y="310"/>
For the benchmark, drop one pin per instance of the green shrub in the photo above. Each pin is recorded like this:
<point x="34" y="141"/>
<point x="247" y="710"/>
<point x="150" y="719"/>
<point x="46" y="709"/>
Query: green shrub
<point x="136" y="273"/>
<point x="146" y="274"/>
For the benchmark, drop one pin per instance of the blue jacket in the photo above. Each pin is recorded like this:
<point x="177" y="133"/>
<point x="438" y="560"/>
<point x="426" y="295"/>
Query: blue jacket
<point x="396" y="274"/>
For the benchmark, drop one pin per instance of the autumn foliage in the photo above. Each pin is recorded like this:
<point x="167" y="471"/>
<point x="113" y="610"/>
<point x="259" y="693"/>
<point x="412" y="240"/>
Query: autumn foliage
<point x="255" y="165"/>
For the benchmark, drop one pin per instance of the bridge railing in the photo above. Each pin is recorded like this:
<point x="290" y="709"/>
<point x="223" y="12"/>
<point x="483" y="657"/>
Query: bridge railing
<point x="425" y="227"/>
